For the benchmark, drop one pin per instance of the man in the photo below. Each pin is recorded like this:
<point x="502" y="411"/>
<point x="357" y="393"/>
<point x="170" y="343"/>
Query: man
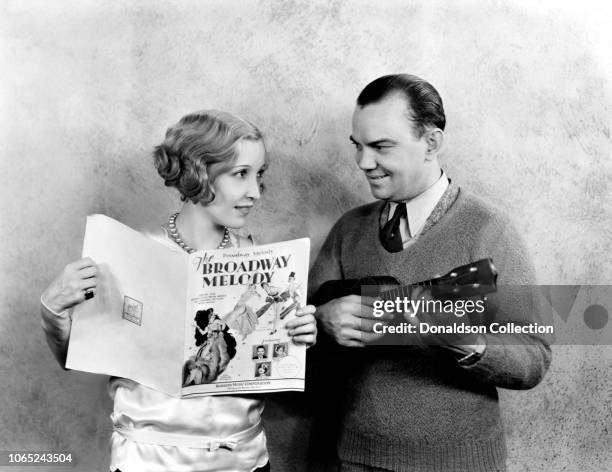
<point x="421" y="408"/>
<point x="260" y="352"/>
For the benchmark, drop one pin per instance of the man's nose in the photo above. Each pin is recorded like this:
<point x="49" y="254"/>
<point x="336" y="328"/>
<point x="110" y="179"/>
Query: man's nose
<point x="365" y="159"/>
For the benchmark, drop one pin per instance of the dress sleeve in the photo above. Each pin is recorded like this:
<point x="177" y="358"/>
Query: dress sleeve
<point x="57" y="332"/>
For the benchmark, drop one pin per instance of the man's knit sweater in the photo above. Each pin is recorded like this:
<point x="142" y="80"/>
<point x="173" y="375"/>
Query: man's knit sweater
<point x="408" y="408"/>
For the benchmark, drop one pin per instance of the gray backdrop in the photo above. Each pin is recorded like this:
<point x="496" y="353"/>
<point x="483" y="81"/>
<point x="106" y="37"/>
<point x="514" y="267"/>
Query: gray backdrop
<point x="88" y="87"/>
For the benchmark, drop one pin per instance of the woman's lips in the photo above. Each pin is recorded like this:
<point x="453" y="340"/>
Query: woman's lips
<point x="244" y="209"/>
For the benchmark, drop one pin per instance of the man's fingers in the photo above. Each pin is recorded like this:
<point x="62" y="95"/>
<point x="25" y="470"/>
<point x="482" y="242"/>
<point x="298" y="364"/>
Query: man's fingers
<point x="416" y="291"/>
<point x="367" y="301"/>
<point x="361" y="307"/>
<point x="366" y="325"/>
<point x="351" y="298"/>
<point x="359" y="337"/>
<point x="369" y="338"/>
<point x="357" y="323"/>
<point x="384" y="316"/>
<point x="359" y="300"/>
<point x="350" y="342"/>
<point x="363" y="311"/>
<point x="363" y="323"/>
<point x="351" y="305"/>
<point x="366" y="312"/>
<point x="350" y="334"/>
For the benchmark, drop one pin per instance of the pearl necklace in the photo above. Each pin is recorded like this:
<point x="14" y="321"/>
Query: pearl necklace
<point x="176" y="236"/>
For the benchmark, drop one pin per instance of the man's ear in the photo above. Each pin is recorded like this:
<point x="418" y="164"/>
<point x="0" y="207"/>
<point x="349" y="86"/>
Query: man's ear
<point x="435" y="140"/>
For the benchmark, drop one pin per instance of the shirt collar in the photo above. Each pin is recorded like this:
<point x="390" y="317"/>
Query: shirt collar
<point x="420" y="207"/>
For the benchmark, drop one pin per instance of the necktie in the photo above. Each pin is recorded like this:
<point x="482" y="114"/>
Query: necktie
<point x="390" y="235"/>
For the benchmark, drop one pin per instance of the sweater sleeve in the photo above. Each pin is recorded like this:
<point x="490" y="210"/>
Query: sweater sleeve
<point x="327" y="265"/>
<point x="513" y="361"/>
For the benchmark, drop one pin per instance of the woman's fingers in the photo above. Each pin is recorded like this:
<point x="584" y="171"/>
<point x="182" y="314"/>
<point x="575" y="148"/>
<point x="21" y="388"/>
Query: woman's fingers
<point x="305" y="316"/>
<point x="90" y="283"/>
<point x="308" y="339"/>
<point x="303" y="320"/>
<point x="82" y="264"/>
<point x="76" y="283"/>
<point x="86" y="272"/>
<point x="303" y="328"/>
<point x="306" y="328"/>
<point x="305" y="310"/>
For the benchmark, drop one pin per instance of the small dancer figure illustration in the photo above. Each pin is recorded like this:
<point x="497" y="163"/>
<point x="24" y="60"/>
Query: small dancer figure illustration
<point x="242" y="318"/>
<point x="275" y="299"/>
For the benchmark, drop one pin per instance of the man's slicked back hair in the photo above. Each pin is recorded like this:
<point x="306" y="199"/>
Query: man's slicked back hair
<point x="425" y="104"/>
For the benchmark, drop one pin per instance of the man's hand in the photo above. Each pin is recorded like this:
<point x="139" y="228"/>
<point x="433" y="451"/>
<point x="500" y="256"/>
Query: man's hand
<point x="427" y="314"/>
<point x="349" y="320"/>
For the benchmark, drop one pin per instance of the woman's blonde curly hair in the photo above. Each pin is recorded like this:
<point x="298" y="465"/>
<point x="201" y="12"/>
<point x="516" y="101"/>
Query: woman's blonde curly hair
<point x="198" y="148"/>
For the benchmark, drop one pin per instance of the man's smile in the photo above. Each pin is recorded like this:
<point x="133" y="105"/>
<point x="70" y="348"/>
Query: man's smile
<point x="376" y="177"/>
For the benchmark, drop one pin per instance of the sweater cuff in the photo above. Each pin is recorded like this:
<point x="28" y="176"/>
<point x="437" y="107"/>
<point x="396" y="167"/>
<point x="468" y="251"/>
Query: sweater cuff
<point x="487" y="366"/>
<point x="514" y="362"/>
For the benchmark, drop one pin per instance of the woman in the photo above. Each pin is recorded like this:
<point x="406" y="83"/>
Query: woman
<point x="263" y="369"/>
<point x="280" y="350"/>
<point x="216" y="161"/>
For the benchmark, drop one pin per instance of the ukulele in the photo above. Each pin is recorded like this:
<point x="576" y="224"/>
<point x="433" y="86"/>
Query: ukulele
<point x="474" y="279"/>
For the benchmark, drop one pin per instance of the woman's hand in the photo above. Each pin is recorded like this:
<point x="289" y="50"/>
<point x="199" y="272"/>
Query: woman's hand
<point x="303" y="328"/>
<point x="67" y="290"/>
<point x="69" y="287"/>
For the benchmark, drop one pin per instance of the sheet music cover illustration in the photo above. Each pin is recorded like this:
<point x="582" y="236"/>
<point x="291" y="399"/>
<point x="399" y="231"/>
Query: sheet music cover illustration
<point x="239" y="301"/>
<point x="210" y="322"/>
